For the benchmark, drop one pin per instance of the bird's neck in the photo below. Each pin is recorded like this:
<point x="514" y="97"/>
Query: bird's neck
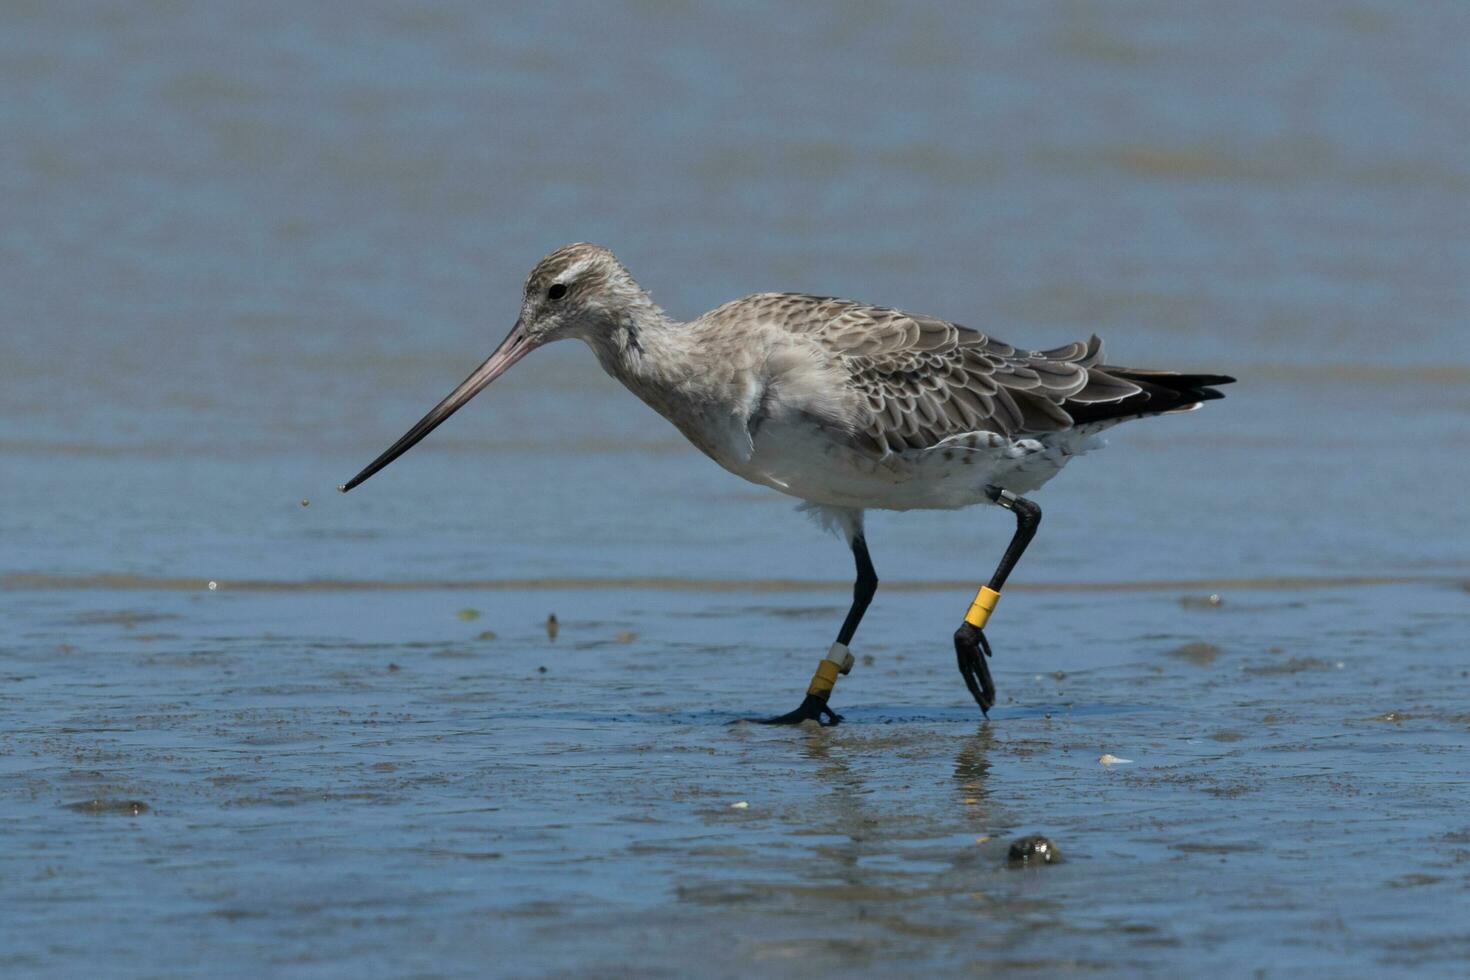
<point x="672" y="368"/>
<point x="636" y="349"/>
<point x="662" y="362"/>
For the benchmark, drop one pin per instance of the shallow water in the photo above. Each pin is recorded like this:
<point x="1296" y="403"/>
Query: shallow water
<point x="244" y="248"/>
<point x="358" y="782"/>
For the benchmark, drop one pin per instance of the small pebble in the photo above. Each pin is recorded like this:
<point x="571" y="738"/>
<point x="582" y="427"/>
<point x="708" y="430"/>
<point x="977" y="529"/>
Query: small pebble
<point x="305" y="502"/>
<point x="742" y="805"/>
<point x="485" y="635"/>
<point x="394" y="668"/>
<point x="1035" y="849"/>
<point x="540" y="670"/>
<point x="468" y="614"/>
<point x="627" y="636"/>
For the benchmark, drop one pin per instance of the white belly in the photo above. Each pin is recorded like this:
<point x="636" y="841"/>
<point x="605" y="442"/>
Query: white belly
<point x="804" y="461"/>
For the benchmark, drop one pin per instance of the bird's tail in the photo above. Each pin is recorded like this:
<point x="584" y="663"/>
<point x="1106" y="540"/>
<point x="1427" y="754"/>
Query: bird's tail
<point x="1159" y="392"/>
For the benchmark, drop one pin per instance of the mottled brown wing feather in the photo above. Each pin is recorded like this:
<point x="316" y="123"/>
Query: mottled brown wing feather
<point x="922" y="380"/>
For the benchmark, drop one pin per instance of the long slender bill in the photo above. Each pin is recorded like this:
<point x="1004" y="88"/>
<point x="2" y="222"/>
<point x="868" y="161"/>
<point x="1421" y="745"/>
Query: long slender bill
<point x="515" y="346"/>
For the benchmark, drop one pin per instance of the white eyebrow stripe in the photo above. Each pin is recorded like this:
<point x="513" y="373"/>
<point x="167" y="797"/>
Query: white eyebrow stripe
<point x="574" y="270"/>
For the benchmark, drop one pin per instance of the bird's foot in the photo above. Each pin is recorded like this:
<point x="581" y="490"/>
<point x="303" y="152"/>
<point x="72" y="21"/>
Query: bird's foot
<point x="812" y="708"/>
<point x="971" y="649"/>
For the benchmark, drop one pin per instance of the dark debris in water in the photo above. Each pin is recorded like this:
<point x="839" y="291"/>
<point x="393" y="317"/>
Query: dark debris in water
<point x="1294" y="665"/>
<point x="126" y="618"/>
<point x="1214" y="847"/>
<point x="128" y="808"/>
<point x="1200" y="654"/>
<point x="1415" y="879"/>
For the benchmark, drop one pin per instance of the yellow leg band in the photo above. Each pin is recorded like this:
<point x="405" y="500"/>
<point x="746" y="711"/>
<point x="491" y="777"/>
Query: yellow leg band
<point x="825" y="678"/>
<point x="982" y="607"/>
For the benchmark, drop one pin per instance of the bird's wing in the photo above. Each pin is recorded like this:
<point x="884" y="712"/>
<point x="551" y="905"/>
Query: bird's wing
<point x="919" y="380"/>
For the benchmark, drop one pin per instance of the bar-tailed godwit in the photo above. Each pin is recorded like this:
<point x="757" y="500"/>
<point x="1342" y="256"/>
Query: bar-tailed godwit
<point x="843" y="405"/>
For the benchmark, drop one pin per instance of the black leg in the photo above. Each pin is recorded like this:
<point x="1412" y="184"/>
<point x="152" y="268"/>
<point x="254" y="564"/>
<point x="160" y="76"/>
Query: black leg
<point x="838" y="660"/>
<point x="971" y="648"/>
<point x="863" y="591"/>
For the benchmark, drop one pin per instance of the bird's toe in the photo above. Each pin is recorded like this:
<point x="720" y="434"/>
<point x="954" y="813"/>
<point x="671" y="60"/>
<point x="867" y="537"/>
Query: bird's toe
<point x="971" y="650"/>
<point x="812" y="708"/>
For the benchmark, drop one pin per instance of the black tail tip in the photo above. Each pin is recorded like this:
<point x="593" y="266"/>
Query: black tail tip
<point x="1204" y="385"/>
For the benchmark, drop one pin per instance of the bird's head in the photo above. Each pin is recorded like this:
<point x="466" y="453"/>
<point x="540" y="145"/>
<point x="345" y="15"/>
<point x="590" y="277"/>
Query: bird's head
<point x="580" y="290"/>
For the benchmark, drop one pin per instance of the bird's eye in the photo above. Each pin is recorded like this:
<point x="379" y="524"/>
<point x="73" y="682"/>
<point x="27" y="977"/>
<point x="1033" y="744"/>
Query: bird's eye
<point x="557" y="291"/>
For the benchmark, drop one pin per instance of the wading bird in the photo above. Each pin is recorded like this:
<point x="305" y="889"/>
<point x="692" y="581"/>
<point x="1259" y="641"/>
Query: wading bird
<point x="843" y="405"/>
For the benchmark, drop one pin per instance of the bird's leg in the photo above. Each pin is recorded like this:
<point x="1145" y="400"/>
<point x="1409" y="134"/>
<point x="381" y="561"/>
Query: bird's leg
<point x="839" y="659"/>
<point x="971" y="648"/>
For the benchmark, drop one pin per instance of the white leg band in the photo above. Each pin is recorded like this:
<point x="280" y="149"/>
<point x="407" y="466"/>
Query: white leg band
<point x="841" y="656"/>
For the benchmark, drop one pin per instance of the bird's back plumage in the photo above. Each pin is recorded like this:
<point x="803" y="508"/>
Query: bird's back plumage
<point x="919" y="380"/>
